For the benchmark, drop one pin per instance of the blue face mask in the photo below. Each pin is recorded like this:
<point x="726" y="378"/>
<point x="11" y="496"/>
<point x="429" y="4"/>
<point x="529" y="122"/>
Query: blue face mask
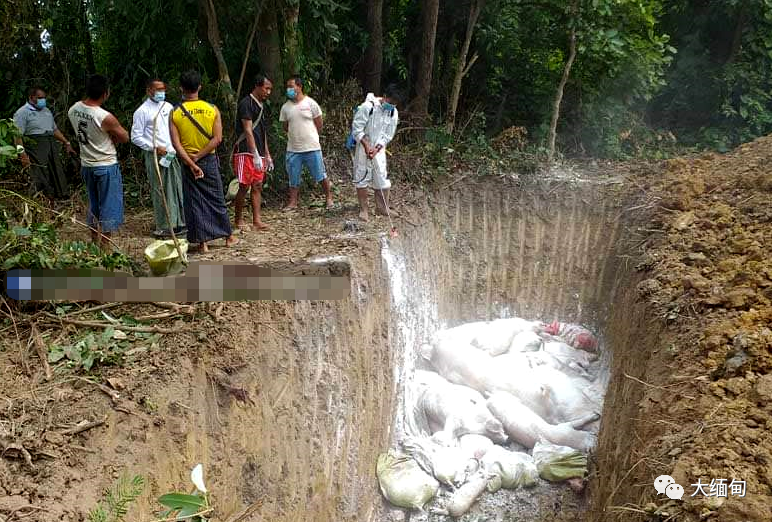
<point x="388" y="107"/>
<point x="291" y="93"/>
<point x="41" y="103"/>
<point x="159" y="96"/>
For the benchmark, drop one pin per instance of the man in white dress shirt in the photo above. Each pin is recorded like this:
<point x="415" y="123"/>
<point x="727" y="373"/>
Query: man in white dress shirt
<point x="154" y="114"/>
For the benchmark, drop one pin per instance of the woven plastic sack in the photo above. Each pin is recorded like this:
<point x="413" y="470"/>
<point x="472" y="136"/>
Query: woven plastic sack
<point x="403" y="482"/>
<point x="558" y="463"/>
<point x="163" y="258"/>
<point x="514" y="468"/>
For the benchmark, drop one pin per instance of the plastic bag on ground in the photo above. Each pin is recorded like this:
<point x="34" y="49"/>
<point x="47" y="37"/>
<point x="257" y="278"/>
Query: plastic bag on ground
<point x="403" y="482"/>
<point x="163" y="258"/>
<point x="515" y="469"/>
<point x="558" y="463"/>
<point x="448" y="464"/>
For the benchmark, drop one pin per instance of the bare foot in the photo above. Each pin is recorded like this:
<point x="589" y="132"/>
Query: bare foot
<point x="241" y="225"/>
<point x="231" y="241"/>
<point x="259" y="225"/>
<point x="329" y="205"/>
<point x="364" y="216"/>
<point x="201" y="248"/>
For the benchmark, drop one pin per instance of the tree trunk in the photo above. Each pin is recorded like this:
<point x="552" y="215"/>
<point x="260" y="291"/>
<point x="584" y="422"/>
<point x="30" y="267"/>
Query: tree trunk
<point x="291" y="16"/>
<point x="269" y="49"/>
<point x="737" y="37"/>
<point x="462" y="68"/>
<point x="429" y="11"/>
<point x="87" y="39"/>
<point x="258" y="10"/>
<point x="372" y="64"/>
<point x="561" y="87"/>
<point x="213" y="34"/>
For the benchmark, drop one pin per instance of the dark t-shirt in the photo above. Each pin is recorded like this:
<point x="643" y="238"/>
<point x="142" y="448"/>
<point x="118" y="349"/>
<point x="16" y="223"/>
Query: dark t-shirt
<point x="249" y="109"/>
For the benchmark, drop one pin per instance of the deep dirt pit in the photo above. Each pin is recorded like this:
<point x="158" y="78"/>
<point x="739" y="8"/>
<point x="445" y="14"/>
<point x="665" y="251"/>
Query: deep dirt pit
<point x="289" y="404"/>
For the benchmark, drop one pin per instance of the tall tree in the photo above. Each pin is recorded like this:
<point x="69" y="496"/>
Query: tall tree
<point x="463" y="67"/>
<point x="291" y="36"/>
<point x="574" y="20"/>
<point x="269" y="46"/>
<point x="423" y="81"/>
<point x="372" y="65"/>
<point x="213" y="34"/>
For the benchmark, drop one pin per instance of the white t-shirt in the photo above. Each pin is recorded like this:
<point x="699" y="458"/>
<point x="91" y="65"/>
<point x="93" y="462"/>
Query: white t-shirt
<point x="96" y="147"/>
<point x="302" y="135"/>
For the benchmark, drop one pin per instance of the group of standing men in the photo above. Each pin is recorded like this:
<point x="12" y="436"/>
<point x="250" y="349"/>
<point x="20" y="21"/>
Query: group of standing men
<point x="178" y="145"/>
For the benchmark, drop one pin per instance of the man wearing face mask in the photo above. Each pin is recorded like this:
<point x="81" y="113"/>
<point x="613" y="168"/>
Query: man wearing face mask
<point x="375" y="123"/>
<point x="153" y="115"/>
<point x="41" y="155"/>
<point x="302" y="119"/>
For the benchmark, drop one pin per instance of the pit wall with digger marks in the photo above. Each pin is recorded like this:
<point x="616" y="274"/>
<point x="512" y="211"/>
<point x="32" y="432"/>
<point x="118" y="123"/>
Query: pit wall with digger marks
<point x="550" y="251"/>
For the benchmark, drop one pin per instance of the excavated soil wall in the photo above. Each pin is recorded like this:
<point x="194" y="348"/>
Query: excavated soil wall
<point x="288" y="404"/>
<point x="554" y="251"/>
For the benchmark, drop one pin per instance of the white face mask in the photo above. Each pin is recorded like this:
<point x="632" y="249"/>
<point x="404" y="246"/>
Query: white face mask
<point x="159" y="96"/>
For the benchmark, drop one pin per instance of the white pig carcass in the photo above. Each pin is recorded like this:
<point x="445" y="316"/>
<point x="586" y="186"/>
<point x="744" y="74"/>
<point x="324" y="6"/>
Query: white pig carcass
<point x="476" y="369"/>
<point x="526" y="428"/>
<point x="454" y="409"/>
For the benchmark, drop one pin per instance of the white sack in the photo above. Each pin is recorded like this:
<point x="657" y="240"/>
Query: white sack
<point x="403" y="482"/>
<point x="448" y="464"/>
<point x="514" y="469"/>
<point x="556" y="463"/>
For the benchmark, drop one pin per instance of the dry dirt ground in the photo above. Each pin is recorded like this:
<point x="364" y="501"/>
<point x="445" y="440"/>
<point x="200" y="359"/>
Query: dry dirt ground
<point x="706" y="413"/>
<point x="707" y="268"/>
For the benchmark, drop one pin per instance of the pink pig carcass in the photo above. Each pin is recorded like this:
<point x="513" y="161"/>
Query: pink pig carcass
<point x="574" y="335"/>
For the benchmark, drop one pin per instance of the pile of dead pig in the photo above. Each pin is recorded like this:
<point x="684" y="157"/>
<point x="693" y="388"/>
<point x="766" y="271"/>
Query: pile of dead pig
<point x="508" y="402"/>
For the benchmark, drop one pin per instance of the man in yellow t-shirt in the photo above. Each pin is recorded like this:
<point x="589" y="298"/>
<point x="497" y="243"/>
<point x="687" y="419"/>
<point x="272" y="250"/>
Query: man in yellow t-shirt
<point x="196" y="130"/>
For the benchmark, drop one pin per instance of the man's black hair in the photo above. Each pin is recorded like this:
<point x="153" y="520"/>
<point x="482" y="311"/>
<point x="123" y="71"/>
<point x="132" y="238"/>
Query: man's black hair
<point x="32" y="91"/>
<point x="297" y="79"/>
<point x="260" y="80"/>
<point x="97" y="86"/>
<point x="393" y="92"/>
<point x="190" y="81"/>
<point x="150" y="81"/>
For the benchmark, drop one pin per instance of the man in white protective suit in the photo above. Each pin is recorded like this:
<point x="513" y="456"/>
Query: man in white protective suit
<point x="375" y="123"/>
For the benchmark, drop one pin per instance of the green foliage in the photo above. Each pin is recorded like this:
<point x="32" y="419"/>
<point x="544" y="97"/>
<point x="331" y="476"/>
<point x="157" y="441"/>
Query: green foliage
<point x="92" y="349"/>
<point x="115" y="503"/>
<point x="185" y="506"/>
<point x="718" y="90"/>
<point x="36" y="246"/>
<point x="8" y="134"/>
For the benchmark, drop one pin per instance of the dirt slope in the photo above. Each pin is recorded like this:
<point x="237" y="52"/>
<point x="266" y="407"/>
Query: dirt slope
<point x="707" y="268"/>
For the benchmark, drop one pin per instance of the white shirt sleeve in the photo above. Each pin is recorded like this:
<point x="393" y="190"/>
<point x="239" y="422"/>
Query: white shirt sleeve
<point x="283" y="113"/>
<point x="388" y="130"/>
<point x="20" y="120"/>
<point x="316" y="111"/>
<point x="138" y="137"/>
<point x="360" y="121"/>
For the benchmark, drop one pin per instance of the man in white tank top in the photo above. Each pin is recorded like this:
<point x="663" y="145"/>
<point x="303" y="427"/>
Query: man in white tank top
<point x="98" y="131"/>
